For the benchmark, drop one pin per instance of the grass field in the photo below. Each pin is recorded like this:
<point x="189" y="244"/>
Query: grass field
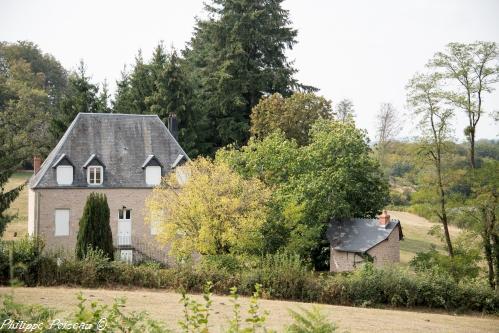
<point x="19" y="206"/>
<point x="165" y="306"/>
<point x="416" y="238"/>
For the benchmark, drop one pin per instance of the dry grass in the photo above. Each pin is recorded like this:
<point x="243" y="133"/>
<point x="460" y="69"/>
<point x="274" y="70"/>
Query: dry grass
<point x="165" y="306"/>
<point x="416" y="238"/>
<point x="19" y="207"/>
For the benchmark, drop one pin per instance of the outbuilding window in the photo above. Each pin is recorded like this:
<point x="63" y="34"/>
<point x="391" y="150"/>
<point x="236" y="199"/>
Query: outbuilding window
<point x="61" y="222"/>
<point x="64" y="175"/>
<point x="95" y="175"/>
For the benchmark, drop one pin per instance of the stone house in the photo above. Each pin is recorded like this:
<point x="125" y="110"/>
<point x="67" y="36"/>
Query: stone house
<point x="121" y="155"/>
<point x="354" y="241"/>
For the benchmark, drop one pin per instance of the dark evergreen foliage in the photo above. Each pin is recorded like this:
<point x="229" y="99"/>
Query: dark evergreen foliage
<point x="80" y="96"/>
<point x="94" y="229"/>
<point x="235" y="57"/>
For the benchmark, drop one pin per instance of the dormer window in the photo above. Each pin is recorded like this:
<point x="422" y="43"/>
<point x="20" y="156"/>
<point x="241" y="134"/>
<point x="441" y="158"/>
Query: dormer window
<point x="95" y="170"/>
<point x="64" y="175"/>
<point x="94" y="175"/>
<point x="152" y="168"/>
<point x="64" y="170"/>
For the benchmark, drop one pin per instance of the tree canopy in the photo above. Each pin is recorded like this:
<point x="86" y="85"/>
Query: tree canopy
<point x="334" y="176"/>
<point x="215" y="211"/>
<point x="293" y="115"/>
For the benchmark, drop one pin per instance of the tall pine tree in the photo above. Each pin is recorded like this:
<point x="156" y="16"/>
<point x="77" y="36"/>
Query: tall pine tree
<point x="173" y="95"/>
<point x="81" y="95"/>
<point x="235" y="57"/>
<point x="94" y="229"/>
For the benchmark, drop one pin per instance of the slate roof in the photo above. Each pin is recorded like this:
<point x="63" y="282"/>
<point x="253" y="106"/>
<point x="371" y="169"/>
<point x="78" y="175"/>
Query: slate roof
<point x="121" y="142"/>
<point x="358" y="234"/>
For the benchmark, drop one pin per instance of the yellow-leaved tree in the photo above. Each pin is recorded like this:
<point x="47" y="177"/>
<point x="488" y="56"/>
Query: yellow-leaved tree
<point x="205" y="207"/>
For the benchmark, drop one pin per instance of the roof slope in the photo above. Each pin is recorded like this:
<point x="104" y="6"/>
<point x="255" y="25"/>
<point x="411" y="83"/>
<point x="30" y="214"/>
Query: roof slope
<point x="358" y="235"/>
<point x="121" y="141"/>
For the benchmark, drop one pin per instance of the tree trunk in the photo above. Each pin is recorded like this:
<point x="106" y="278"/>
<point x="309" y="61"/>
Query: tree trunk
<point x="443" y="210"/>
<point x="487" y="247"/>
<point x="472" y="148"/>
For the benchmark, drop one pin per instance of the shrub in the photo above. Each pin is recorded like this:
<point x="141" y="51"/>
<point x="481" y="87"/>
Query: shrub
<point x="94" y="231"/>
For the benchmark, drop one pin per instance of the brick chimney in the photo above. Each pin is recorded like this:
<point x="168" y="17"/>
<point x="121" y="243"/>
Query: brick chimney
<point x="384" y="219"/>
<point x="37" y="162"/>
<point x="172" y="125"/>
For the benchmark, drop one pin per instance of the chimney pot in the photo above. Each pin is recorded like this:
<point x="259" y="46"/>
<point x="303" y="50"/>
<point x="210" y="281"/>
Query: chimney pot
<point x="37" y="162"/>
<point x="384" y="219"/>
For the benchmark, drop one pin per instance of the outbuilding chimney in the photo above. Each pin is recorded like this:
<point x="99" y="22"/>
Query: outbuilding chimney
<point x="172" y="125"/>
<point x="37" y="162"/>
<point x="384" y="219"/>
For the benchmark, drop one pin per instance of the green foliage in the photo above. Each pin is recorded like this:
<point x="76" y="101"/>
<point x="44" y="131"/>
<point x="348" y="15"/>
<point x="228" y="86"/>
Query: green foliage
<point x="26" y="260"/>
<point x="94" y="229"/>
<point x="162" y="87"/>
<point x="282" y="277"/>
<point x="334" y="176"/>
<point x="237" y="55"/>
<point x="293" y="115"/>
<point x="216" y="211"/>
<point x="310" y="321"/>
<point x="80" y="96"/>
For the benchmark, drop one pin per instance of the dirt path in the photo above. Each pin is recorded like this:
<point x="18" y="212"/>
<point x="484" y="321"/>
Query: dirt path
<point x="165" y="306"/>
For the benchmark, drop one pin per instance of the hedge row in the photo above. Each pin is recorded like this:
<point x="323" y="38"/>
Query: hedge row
<point x="282" y="277"/>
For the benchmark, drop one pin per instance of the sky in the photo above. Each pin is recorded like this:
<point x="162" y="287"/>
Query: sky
<point x="363" y="50"/>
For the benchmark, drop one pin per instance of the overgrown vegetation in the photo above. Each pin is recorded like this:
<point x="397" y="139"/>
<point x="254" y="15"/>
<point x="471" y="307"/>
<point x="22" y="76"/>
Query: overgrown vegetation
<point x="281" y="276"/>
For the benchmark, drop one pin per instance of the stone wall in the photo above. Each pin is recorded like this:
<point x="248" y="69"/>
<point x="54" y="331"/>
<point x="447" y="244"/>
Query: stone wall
<point x="74" y="199"/>
<point x="384" y="253"/>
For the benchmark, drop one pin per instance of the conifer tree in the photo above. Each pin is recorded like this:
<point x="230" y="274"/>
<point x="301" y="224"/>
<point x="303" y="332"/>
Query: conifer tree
<point x="80" y="96"/>
<point x="94" y="229"/>
<point x="235" y="57"/>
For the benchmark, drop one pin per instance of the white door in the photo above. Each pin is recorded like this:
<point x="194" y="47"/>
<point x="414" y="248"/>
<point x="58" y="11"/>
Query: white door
<point x="124" y="227"/>
<point x="126" y="256"/>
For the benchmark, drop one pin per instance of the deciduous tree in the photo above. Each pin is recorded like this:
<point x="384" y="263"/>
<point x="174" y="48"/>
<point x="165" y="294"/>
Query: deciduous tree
<point x="215" y="211"/>
<point x="425" y="96"/>
<point x="472" y="69"/>
<point x="293" y="115"/>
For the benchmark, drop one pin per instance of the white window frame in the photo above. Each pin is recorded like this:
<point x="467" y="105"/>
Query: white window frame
<point x="152" y="175"/>
<point x="64" y="178"/>
<point x="89" y="172"/>
<point x="63" y="229"/>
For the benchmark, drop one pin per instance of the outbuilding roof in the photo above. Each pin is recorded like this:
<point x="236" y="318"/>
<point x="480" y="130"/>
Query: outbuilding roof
<point x="359" y="234"/>
<point x="121" y="142"/>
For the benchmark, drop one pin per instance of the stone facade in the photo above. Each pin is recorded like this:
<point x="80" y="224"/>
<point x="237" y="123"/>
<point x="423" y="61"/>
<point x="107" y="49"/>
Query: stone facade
<point x="386" y="252"/>
<point x="44" y="202"/>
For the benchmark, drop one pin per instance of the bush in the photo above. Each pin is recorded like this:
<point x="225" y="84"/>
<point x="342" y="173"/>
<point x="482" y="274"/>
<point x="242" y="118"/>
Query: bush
<point x="281" y="276"/>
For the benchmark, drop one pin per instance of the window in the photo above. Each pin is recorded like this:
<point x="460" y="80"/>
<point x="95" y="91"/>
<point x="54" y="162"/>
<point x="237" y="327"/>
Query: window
<point x="64" y="175"/>
<point x="62" y="222"/>
<point x="153" y="175"/>
<point x="124" y="214"/>
<point x="94" y="175"/>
